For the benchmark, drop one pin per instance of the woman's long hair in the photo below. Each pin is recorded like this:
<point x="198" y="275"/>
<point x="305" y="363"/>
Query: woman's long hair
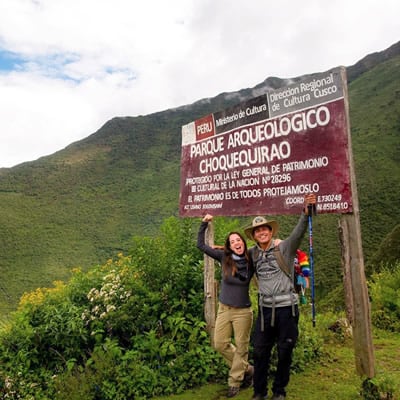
<point x="229" y="265"/>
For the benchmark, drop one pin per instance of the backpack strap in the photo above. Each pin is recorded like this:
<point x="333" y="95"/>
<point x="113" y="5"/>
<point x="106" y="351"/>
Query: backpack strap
<point x="281" y="262"/>
<point x="253" y="252"/>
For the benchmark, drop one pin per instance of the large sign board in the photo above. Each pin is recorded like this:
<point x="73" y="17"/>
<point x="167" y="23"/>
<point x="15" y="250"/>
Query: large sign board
<point x="263" y="155"/>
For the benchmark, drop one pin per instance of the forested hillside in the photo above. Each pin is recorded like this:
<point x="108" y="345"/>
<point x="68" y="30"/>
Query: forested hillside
<point x="82" y="205"/>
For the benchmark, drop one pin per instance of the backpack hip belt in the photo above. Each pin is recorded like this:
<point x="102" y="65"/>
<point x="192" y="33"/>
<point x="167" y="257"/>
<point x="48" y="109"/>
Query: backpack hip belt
<point x="269" y="301"/>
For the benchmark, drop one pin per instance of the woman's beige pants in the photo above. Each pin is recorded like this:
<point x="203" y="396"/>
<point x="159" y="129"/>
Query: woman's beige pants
<point x="233" y="322"/>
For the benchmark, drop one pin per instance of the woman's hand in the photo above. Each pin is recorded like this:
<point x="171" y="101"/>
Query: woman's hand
<point x="207" y="218"/>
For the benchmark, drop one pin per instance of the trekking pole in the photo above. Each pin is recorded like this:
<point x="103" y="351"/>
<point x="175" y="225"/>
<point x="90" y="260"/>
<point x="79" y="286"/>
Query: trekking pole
<point x="311" y="208"/>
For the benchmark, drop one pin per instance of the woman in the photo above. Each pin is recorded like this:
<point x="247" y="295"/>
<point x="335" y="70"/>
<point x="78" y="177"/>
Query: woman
<point x="234" y="314"/>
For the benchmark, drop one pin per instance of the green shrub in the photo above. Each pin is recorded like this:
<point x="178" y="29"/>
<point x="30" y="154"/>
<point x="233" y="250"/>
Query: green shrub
<point x="132" y="328"/>
<point x="382" y="386"/>
<point x="309" y="346"/>
<point x="384" y="290"/>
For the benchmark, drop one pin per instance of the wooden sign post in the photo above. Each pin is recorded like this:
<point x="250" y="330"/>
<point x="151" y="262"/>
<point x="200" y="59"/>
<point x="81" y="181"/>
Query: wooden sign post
<point x="210" y="294"/>
<point x="356" y="294"/>
<point x="355" y="285"/>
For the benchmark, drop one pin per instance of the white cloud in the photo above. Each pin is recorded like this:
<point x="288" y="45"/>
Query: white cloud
<point x="81" y="63"/>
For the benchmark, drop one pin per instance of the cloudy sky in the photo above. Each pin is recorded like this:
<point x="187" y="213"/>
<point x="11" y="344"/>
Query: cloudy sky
<point x="68" y="66"/>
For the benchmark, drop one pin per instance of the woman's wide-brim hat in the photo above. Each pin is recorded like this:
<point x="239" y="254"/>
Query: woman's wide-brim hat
<point x="261" y="221"/>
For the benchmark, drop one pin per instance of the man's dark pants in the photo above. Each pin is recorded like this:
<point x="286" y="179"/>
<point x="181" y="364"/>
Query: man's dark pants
<point x="284" y="333"/>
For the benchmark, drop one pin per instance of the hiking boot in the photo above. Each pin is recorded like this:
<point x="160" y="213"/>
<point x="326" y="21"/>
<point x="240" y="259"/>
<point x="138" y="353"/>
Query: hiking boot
<point x="232" y="391"/>
<point x="278" y="397"/>
<point x="248" y="377"/>
<point x="259" y="397"/>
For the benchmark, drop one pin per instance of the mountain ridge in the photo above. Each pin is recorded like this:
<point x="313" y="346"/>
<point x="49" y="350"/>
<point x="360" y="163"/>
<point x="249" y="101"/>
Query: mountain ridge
<point x="84" y="203"/>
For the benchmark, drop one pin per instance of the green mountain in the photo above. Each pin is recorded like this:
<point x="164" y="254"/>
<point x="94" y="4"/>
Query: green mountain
<point x="83" y="204"/>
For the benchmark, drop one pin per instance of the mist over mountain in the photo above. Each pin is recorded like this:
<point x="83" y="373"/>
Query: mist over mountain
<point x="83" y="204"/>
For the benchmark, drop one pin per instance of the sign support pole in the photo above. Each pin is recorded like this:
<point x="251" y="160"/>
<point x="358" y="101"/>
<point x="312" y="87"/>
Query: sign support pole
<point x="356" y="291"/>
<point x="210" y="288"/>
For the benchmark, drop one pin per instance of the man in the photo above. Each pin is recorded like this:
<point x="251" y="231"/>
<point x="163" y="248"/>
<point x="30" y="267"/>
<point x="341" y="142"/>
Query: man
<point x="278" y="314"/>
